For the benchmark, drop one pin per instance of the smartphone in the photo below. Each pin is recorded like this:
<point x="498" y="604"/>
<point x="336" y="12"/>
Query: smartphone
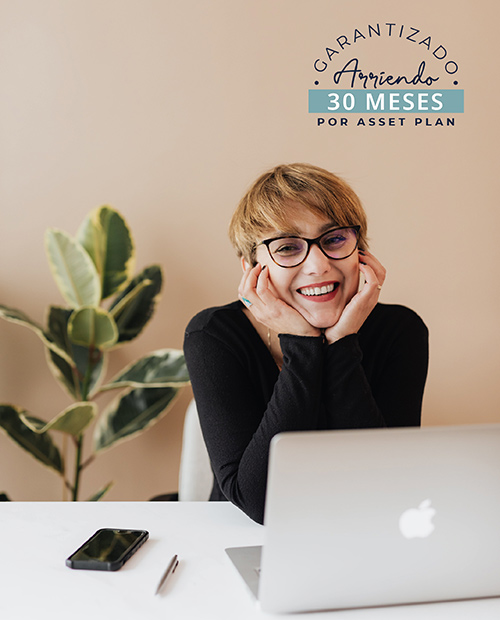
<point x="107" y="549"/>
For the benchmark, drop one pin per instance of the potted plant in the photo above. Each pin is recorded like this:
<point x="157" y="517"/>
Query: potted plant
<point x="95" y="266"/>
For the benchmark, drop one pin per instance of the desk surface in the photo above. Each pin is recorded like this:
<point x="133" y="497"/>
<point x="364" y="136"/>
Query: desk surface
<point x="35" y="539"/>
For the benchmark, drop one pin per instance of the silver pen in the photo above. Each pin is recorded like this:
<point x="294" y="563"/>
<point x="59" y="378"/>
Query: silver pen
<point x="172" y="565"/>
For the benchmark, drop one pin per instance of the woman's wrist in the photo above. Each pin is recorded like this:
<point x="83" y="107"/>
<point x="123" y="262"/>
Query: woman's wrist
<point x="310" y="331"/>
<point x="332" y="335"/>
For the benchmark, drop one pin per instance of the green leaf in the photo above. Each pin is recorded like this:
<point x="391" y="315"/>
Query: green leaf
<point x="92" y="327"/>
<point x="135" y="306"/>
<point x="163" y="368"/>
<point x="17" y="316"/>
<point x="57" y="326"/>
<point x="130" y="414"/>
<point x="72" y="375"/>
<point x="38" y="445"/>
<point x="108" y="240"/>
<point x="73" y="270"/>
<point x="65" y="372"/>
<point x="97" y="496"/>
<point x="73" y="420"/>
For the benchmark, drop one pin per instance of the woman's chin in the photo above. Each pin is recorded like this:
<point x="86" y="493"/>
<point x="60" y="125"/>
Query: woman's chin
<point x="321" y="320"/>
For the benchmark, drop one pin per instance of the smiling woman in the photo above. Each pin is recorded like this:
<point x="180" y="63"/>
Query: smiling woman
<point x="307" y="346"/>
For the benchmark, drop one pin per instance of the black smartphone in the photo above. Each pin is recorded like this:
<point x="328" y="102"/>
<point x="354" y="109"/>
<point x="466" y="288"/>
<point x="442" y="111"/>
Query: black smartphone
<point x="107" y="549"/>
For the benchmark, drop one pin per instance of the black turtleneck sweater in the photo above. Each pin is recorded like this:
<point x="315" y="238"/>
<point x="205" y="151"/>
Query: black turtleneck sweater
<point x="374" y="378"/>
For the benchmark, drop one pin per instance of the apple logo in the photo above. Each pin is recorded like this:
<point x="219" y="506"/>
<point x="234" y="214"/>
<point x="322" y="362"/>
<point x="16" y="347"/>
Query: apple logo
<point x="417" y="522"/>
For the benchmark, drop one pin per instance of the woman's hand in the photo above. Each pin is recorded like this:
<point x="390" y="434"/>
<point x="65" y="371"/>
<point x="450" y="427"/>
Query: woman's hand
<point x="255" y="291"/>
<point x="357" y="310"/>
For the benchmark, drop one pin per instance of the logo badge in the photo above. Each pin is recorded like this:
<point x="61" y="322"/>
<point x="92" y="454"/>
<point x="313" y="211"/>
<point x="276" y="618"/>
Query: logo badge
<point x="397" y="74"/>
<point x="417" y="522"/>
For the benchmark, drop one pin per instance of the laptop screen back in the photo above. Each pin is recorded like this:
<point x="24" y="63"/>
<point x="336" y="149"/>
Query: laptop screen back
<point x="380" y="517"/>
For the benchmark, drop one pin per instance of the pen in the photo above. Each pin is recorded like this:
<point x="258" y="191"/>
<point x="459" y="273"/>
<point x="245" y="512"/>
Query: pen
<point x="172" y="565"/>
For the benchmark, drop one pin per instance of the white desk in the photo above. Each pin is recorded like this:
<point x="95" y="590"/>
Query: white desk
<point x="36" y="538"/>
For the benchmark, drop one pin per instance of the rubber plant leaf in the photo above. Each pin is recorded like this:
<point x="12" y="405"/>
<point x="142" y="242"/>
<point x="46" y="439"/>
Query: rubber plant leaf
<point x="101" y="493"/>
<point x="133" y="308"/>
<point x="72" y="375"/>
<point x="92" y="327"/>
<point x="107" y="239"/>
<point x="73" y="420"/>
<point x="130" y="414"/>
<point x="163" y="368"/>
<point x="73" y="270"/>
<point x="38" y="445"/>
<point x="19" y="317"/>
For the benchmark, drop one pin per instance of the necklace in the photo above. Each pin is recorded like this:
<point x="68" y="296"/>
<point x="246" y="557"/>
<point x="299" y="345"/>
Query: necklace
<point x="276" y="357"/>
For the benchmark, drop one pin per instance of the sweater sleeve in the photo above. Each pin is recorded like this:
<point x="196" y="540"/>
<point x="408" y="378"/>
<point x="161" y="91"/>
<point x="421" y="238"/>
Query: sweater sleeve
<point x="347" y="393"/>
<point x="398" y="365"/>
<point x="377" y="377"/>
<point x="238" y="420"/>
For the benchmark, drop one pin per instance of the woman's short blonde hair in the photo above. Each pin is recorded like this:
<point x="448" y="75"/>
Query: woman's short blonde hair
<point x="264" y="207"/>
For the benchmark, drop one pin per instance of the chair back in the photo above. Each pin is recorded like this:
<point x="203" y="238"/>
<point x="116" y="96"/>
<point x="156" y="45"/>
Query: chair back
<point x="195" y="474"/>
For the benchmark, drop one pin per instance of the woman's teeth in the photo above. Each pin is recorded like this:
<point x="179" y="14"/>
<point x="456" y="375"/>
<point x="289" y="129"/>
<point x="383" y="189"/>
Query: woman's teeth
<point x="310" y="291"/>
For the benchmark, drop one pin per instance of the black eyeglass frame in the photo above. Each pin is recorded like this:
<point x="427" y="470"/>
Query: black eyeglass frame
<point x="311" y="242"/>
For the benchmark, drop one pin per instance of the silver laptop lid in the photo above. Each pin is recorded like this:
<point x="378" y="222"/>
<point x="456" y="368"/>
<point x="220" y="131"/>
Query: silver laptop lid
<point x="380" y="517"/>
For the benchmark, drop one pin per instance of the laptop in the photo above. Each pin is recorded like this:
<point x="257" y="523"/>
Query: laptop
<point x="378" y="517"/>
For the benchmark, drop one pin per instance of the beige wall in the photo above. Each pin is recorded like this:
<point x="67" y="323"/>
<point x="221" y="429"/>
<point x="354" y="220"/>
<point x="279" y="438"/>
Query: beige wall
<point x="167" y="111"/>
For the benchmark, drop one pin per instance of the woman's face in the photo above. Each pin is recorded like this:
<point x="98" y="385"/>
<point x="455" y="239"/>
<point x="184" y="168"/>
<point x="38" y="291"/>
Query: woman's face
<point x="296" y="285"/>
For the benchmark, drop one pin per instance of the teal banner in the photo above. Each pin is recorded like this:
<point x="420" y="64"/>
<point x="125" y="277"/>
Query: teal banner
<point x="386" y="101"/>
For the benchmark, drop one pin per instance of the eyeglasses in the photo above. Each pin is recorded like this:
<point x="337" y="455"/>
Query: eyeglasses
<point x="291" y="251"/>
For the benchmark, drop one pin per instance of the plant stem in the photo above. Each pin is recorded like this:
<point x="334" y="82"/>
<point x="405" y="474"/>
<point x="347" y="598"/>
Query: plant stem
<point x="65" y="455"/>
<point x="79" y="443"/>
<point x="88" y="461"/>
<point x="79" y="440"/>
